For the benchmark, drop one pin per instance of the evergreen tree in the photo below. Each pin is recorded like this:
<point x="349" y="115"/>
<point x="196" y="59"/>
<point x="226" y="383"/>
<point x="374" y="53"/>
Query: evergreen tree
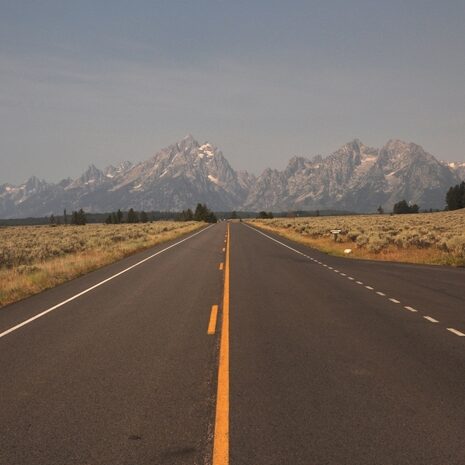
<point x="65" y="217"/>
<point x="234" y="215"/>
<point x="143" y="217"/>
<point x="52" y="220"/>
<point x="455" y="197"/>
<point x="186" y="215"/>
<point x="74" y="218"/>
<point x="202" y="213"/>
<point x="119" y="216"/>
<point x="403" y="207"/>
<point x="109" y="219"/>
<point x="133" y="217"/>
<point x="380" y="210"/>
<point x="82" y="219"/>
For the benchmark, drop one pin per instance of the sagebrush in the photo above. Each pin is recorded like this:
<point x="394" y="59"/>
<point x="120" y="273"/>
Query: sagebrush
<point x="423" y="238"/>
<point x="34" y="258"/>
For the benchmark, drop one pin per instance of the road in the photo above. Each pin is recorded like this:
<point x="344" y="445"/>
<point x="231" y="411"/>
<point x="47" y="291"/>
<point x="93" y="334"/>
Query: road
<point x="312" y="359"/>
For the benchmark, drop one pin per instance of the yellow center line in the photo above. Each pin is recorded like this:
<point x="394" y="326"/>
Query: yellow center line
<point x="213" y="317"/>
<point x="221" y="438"/>
<point x="221" y="266"/>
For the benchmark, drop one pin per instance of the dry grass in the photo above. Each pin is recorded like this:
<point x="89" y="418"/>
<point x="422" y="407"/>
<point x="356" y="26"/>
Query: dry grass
<point x="34" y="258"/>
<point x="434" y="238"/>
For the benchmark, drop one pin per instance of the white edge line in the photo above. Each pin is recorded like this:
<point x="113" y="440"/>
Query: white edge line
<point x="410" y="309"/>
<point x="452" y="330"/>
<point x="275" y="240"/>
<point x="74" y="297"/>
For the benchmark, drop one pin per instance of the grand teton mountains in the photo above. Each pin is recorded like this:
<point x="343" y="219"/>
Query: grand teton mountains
<point x="355" y="177"/>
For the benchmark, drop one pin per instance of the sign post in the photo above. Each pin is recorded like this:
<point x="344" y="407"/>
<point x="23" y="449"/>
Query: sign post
<point x="335" y="233"/>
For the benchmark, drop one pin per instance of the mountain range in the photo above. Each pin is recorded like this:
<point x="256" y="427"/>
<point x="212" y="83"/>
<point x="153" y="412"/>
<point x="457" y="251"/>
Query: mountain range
<point x="355" y="177"/>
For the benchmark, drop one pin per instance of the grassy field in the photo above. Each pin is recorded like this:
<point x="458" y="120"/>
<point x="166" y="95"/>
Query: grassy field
<point x="34" y="258"/>
<point x="433" y="238"/>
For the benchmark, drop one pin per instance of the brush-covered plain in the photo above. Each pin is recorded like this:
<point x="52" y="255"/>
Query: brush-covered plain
<point x="34" y="258"/>
<point x="429" y="238"/>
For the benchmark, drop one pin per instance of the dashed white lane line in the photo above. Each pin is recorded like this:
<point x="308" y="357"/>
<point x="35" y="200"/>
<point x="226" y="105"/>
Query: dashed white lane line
<point x="95" y="286"/>
<point x="410" y="309"/>
<point x="454" y="331"/>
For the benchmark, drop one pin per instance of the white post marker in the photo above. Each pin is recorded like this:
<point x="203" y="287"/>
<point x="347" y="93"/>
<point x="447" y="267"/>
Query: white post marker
<point x="335" y="233"/>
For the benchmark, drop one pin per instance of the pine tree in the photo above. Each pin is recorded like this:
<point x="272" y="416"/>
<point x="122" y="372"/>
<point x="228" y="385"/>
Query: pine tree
<point x="74" y="218"/>
<point x="143" y="217"/>
<point x="133" y="217"/>
<point x="455" y="197"/>
<point x="202" y="213"/>
<point x="65" y="217"/>
<point x="403" y="207"/>
<point x="119" y="216"/>
<point x="109" y="219"/>
<point x="82" y="219"/>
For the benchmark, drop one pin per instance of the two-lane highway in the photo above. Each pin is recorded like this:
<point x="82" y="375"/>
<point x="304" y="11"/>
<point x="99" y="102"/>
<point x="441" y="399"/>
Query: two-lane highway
<point x="239" y="348"/>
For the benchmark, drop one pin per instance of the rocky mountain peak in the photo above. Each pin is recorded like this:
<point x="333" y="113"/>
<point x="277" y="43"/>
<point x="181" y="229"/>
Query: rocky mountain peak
<point x="355" y="177"/>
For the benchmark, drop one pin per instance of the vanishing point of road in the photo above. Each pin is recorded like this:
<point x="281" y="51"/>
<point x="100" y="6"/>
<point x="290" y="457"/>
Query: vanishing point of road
<point x="232" y="346"/>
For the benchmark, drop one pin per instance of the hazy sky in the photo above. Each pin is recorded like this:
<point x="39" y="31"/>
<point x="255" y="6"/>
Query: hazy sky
<point x="103" y="81"/>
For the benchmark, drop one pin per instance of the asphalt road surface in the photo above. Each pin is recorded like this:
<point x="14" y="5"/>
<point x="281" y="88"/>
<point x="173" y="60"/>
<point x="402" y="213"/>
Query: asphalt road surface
<point x="240" y="348"/>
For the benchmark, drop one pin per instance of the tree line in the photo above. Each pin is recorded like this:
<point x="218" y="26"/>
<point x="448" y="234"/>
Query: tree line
<point x="455" y="197"/>
<point x="201" y="213"/>
<point x="132" y="216"/>
<point x="79" y="217"/>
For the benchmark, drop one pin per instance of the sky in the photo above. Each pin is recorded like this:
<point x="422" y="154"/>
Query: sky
<point x="99" y="82"/>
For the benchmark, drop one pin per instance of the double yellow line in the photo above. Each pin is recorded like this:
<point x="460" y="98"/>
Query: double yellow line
<point x="221" y="438"/>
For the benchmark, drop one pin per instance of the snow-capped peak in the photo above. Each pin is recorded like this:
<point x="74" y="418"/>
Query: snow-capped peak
<point x="206" y="150"/>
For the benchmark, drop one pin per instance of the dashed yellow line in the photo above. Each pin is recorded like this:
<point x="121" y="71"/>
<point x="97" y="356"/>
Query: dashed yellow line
<point x="213" y="318"/>
<point x="221" y="267"/>
<point x="221" y="437"/>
